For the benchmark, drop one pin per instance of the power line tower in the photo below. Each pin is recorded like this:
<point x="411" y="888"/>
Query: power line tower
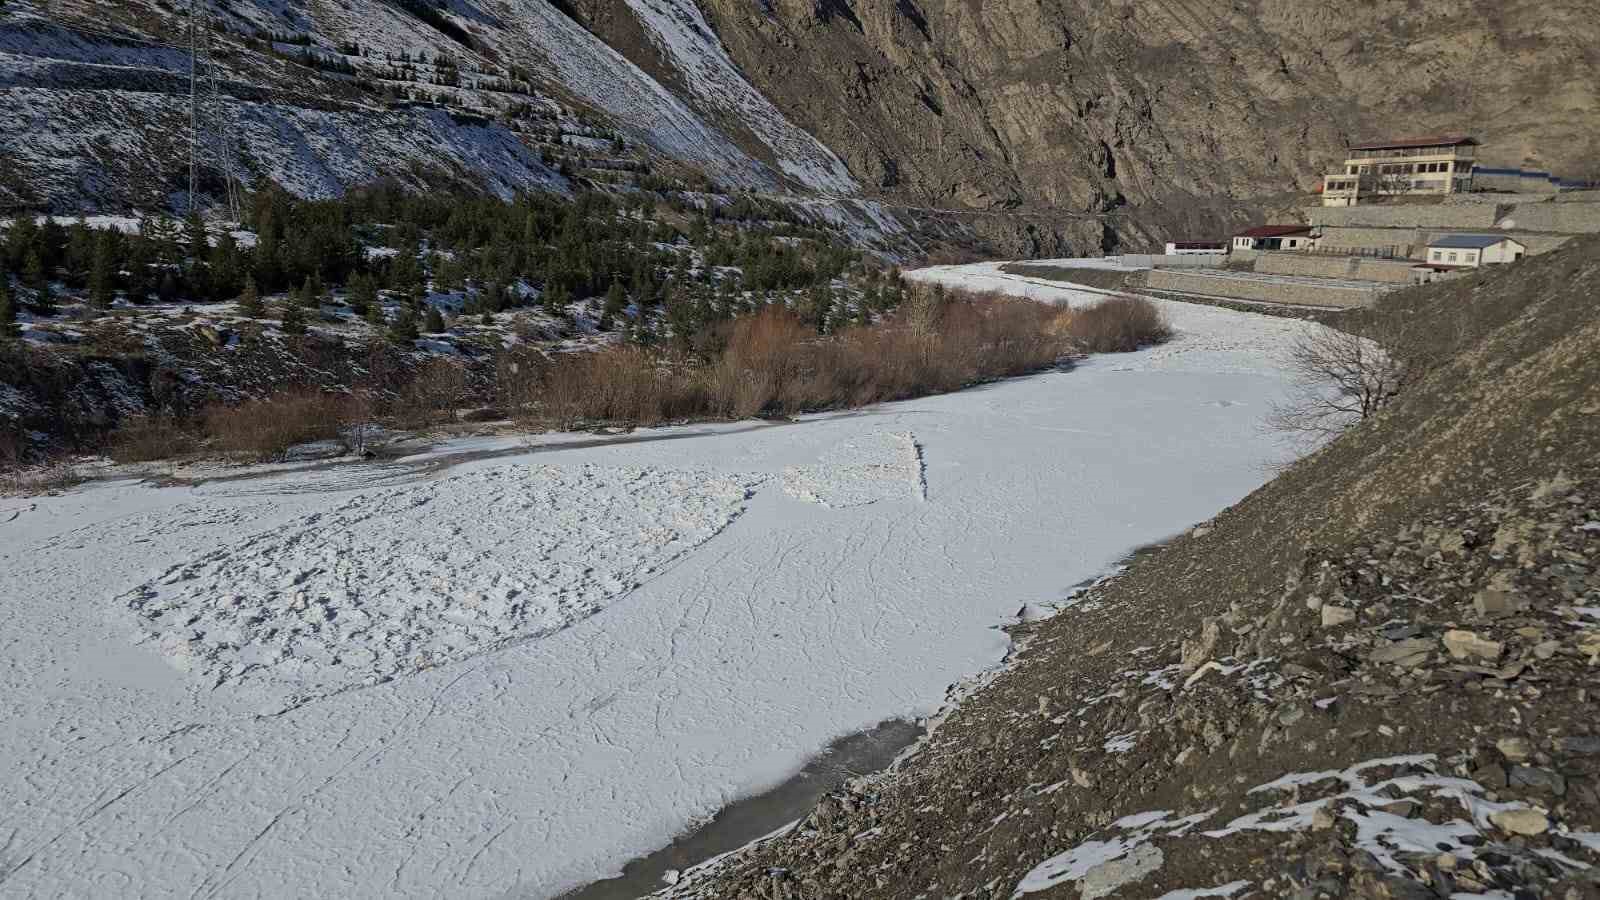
<point x="194" y="105"/>
<point x="210" y="115"/>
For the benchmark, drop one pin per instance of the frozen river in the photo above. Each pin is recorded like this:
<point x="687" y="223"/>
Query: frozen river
<point x="514" y="674"/>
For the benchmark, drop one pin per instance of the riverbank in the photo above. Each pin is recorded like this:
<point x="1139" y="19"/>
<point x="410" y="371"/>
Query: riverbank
<point x="602" y="645"/>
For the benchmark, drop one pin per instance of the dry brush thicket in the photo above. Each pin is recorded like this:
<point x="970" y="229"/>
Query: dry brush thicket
<point x="770" y="363"/>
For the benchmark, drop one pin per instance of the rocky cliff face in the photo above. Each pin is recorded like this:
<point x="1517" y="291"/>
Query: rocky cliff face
<point x="1052" y="126"/>
<point x="1171" y="114"/>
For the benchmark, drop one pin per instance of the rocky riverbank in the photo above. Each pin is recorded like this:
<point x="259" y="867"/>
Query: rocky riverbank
<point x="1376" y="676"/>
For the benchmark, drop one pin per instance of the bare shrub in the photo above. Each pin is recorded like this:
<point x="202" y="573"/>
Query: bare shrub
<point x="439" y="387"/>
<point x="1342" y="377"/>
<point x="150" y="437"/>
<point x="265" y="429"/>
<point x="773" y="363"/>
<point x="1119" y="325"/>
<point x="519" y="382"/>
<point x="13" y="447"/>
<point x="46" y="478"/>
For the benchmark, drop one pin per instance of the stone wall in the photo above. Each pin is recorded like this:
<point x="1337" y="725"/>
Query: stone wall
<point x="1391" y="271"/>
<point x="1173" y="261"/>
<point x="1437" y="215"/>
<point x="1404" y="241"/>
<point x="1567" y="218"/>
<point x="1244" y="288"/>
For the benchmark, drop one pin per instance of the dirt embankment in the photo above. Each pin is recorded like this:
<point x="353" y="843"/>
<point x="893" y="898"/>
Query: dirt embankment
<point x="1375" y="676"/>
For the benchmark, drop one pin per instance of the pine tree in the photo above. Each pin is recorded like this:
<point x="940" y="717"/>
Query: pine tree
<point x="44" y="298"/>
<point x="293" y="320"/>
<point x="374" y="315"/>
<point x="433" y="323"/>
<point x="250" y="300"/>
<point x="8" y="312"/>
<point x="102" y="274"/>
<point x="308" y="296"/>
<point x="194" y="235"/>
<point x="403" y="330"/>
<point x="363" y="294"/>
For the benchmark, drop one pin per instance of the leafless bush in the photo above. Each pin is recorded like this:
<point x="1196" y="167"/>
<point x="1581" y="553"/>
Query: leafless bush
<point x="772" y="363"/>
<point x="1119" y="325"/>
<point x="433" y="394"/>
<point x="265" y="429"/>
<point x="1342" y="377"/>
<point x="150" y="437"/>
<point x="39" y="479"/>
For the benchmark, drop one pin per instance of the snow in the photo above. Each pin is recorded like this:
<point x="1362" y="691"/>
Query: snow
<point x="320" y="605"/>
<point x="1221" y="890"/>
<point x="878" y="466"/>
<point x="691" y="630"/>
<point x="1076" y="863"/>
<point x="681" y="32"/>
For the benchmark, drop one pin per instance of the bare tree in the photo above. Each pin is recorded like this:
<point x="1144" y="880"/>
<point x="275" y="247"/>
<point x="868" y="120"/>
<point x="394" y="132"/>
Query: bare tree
<point x="1395" y="181"/>
<point x="1342" y="377"/>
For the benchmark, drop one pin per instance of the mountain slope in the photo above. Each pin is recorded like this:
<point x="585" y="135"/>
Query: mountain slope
<point x="1083" y="124"/>
<point x="1373" y="677"/>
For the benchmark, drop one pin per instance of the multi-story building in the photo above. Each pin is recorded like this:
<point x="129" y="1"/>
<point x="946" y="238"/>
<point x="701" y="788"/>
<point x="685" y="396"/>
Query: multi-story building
<point x="1420" y="166"/>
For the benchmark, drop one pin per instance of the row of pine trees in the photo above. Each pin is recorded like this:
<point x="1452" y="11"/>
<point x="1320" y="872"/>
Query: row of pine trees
<point x="382" y="242"/>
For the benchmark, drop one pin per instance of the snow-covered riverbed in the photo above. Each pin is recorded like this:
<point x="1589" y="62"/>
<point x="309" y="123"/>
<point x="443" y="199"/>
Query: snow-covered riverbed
<point x="517" y="673"/>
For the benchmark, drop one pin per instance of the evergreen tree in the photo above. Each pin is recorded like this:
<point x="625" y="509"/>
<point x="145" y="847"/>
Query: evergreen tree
<point x="81" y="248"/>
<point x="374" y="315"/>
<point x="433" y="323"/>
<point x="363" y="294"/>
<point x="194" y="235"/>
<point x="102" y="275"/>
<point x="250" y="300"/>
<point x="8" y="312"/>
<point x="293" y="320"/>
<point x="309" y="296"/>
<point x="44" y="297"/>
<point x="403" y="330"/>
<point x="33" y="271"/>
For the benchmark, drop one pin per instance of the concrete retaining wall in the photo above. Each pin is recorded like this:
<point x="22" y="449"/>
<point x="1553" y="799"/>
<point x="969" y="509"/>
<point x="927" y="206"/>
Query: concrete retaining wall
<point x="1464" y="215"/>
<point x="1568" y="218"/>
<point x="1163" y="261"/>
<point x="1385" y="270"/>
<point x="1403" y="240"/>
<point x="1269" y="291"/>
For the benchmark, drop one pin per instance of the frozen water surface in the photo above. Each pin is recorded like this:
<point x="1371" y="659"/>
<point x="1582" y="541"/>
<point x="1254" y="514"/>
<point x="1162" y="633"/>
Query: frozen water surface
<point x="515" y="674"/>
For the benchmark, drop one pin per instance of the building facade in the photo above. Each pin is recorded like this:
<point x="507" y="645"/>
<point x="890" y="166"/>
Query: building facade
<point x="1274" y="237"/>
<point x="1470" y="251"/>
<point x="1196" y="248"/>
<point x="1415" y="167"/>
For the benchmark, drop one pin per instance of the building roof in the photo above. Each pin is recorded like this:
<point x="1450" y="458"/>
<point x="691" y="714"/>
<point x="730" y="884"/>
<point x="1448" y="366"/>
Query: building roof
<point x="1197" y="245"/>
<point x="1467" y="241"/>
<point x="1437" y="140"/>
<point x="1272" y="231"/>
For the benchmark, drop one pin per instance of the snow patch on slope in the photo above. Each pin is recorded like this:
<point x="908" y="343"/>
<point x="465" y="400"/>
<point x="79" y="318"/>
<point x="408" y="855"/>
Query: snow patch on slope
<point x="641" y="105"/>
<point x="686" y="39"/>
<point x="397" y="581"/>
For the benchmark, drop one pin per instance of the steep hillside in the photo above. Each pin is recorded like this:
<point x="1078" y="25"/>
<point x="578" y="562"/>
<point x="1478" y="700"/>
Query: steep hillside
<point x="1170" y="112"/>
<point x="1373" y="677"/>
<point x="1085" y="125"/>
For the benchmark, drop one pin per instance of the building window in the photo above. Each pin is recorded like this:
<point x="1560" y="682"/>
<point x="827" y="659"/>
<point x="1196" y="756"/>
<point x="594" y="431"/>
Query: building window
<point x="1472" y="256"/>
<point x="1452" y="256"/>
<point x="1438" y="255"/>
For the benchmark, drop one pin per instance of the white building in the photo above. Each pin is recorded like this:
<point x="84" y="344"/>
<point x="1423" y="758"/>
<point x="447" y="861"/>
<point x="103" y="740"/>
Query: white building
<point x="1274" y="237"/>
<point x="1473" y="250"/>
<point x="1196" y="248"/>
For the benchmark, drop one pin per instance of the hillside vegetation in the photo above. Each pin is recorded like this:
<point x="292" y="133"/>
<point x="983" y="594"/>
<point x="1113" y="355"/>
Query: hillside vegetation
<point x="1373" y="677"/>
